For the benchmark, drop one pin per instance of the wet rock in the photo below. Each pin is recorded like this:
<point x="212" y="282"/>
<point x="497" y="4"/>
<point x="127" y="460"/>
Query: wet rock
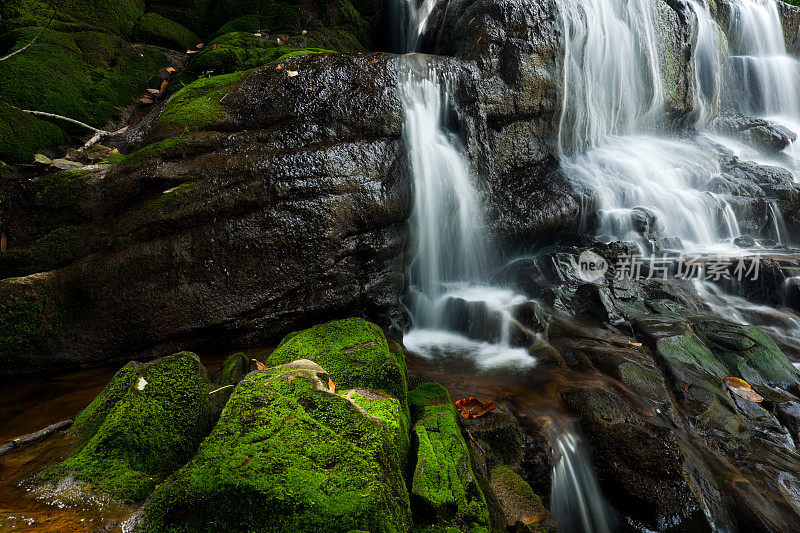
<point x="444" y="489"/>
<point x="287" y="443"/>
<point x="756" y="131"/>
<point x="499" y="437"/>
<point x="790" y="16"/>
<point x="744" y="241"/>
<point x="522" y="508"/>
<point x="147" y="422"/>
<point x="645" y="480"/>
<point x="645" y="222"/>
<point x="296" y="211"/>
<point x="789" y="415"/>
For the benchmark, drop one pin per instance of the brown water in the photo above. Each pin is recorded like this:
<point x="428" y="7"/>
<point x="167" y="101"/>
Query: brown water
<point x="31" y="403"/>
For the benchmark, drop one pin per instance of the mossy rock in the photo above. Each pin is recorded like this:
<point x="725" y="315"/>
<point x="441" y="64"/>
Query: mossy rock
<point x="115" y="16"/>
<point x="152" y="28"/>
<point x="522" y="507"/>
<point x="355" y="353"/>
<point x="197" y="105"/>
<point x="146" y="423"/>
<point x="86" y="75"/>
<point x="272" y="15"/>
<point x="192" y="14"/>
<point x="242" y="51"/>
<point x="22" y="135"/>
<point x="53" y="250"/>
<point x="444" y="489"/>
<point x="289" y="454"/>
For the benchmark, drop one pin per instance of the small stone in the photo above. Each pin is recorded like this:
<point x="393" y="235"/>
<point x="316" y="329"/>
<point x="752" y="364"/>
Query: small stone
<point x="744" y="241"/>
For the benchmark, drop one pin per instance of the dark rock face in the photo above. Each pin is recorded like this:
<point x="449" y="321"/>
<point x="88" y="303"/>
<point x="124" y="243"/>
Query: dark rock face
<point x="760" y="132"/>
<point x="296" y="212"/>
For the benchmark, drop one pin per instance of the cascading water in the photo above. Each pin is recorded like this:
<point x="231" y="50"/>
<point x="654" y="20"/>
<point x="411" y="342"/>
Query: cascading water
<point x="451" y="254"/>
<point x="575" y="497"/>
<point x="609" y="138"/>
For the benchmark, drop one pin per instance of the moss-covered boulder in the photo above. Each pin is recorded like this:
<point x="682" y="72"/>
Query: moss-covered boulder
<point x="22" y="135"/>
<point x="290" y="453"/>
<point x="522" y="509"/>
<point x="146" y="423"/>
<point x="152" y="28"/>
<point x="355" y="353"/>
<point x="444" y="489"/>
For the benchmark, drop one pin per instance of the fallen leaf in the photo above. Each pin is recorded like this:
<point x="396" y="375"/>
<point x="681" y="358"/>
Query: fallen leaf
<point x="634" y="343"/>
<point x="331" y="385"/>
<point x="163" y="89"/>
<point x="43" y="159"/>
<point x="145" y="100"/>
<point x="259" y="364"/>
<point x="102" y="176"/>
<point x="170" y="69"/>
<point x="686" y="386"/>
<point x="256" y="35"/>
<point x="141" y="384"/>
<point x="303" y="32"/>
<point x="152" y="91"/>
<point x="3" y="242"/>
<point x="474" y="408"/>
<point x="173" y="189"/>
<point x="217" y="46"/>
<point x="291" y="73"/>
<point x="373" y="61"/>
<point x="279" y="67"/>
<point x="479" y="39"/>
<point x="471" y="21"/>
<point x="742" y="389"/>
<point x="113" y="152"/>
<point x="191" y="51"/>
<point x="199" y="45"/>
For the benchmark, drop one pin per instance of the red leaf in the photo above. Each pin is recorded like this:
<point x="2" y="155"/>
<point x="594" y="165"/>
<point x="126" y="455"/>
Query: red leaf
<point x="474" y="408"/>
<point x="260" y="365"/>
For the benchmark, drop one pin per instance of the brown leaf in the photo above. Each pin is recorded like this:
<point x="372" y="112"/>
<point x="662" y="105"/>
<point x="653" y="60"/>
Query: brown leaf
<point x="152" y="91"/>
<point x="256" y="35"/>
<point x="742" y="389"/>
<point x="145" y="100"/>
<point x="279" y="67"/>
<point x="260" y="365"/>
<point x="634" y="343"/>
<point x="163" y="89"/>
<point x="173" y="189"/>
<point x="191" y="51"/>
<point x="170" y="69"/>
<point x="3" y="242"/>
<point x="199" y="45"/>
<point x="291" y="73"/>
<point x="303" y="32"/>
<point x="473" y="408"/>
<point x="471" y="21"/>
<point x="217" y="46"/>
<point x="331" y="385"/>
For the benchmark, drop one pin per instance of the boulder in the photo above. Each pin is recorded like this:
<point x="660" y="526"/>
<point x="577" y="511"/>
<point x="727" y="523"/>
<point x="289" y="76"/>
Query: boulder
<point x="147" y="422"/>
<point x="290" y="454"/>
<point x="444" y="489"/>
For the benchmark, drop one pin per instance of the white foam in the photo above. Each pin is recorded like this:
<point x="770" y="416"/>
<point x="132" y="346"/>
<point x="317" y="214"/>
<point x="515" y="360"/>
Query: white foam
<point x="433" y="343"/>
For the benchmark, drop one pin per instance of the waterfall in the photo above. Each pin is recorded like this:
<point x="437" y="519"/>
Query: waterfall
<point x="451" y="253"/>
<point x="575" y="497"/>
<point x="707" y="64"/>
<point x="446" y="218"/>
<point x="762" y="79"/>
<point x="609" y="138"/>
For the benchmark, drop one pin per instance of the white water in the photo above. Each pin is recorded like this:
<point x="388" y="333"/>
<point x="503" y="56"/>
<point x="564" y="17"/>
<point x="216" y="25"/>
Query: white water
<point x="576" y="501"/>
<point x="609" y="138"/>
<point x="451" y="253"/>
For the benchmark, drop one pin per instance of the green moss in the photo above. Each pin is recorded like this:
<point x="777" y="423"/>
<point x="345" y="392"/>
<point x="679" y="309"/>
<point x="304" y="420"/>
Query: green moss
<point x="271" y="16"/>
<point x="115" y="16"/>
<point x="353" y="351"/>
<point x="190" y="13"/>
<point x="147" y="423"/>
<point x="519" y="502"/>
<point x="21" y="325"/>
<point x="444" y="489"/>
<point x="242" y="51"/>
<point x="198" y="104"/>
<point x="163" y="148"/>
<point x="22" y="135"/>
<point x="152" y="28"/>
<point x="286" y="455"/>
<point x="233" y="369"/>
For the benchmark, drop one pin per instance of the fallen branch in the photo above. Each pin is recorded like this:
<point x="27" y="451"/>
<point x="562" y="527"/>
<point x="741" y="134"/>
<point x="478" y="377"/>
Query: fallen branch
<point x="60" y="117"/>
<point x="15" y="52"/>
<point x="33" y="437"/>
